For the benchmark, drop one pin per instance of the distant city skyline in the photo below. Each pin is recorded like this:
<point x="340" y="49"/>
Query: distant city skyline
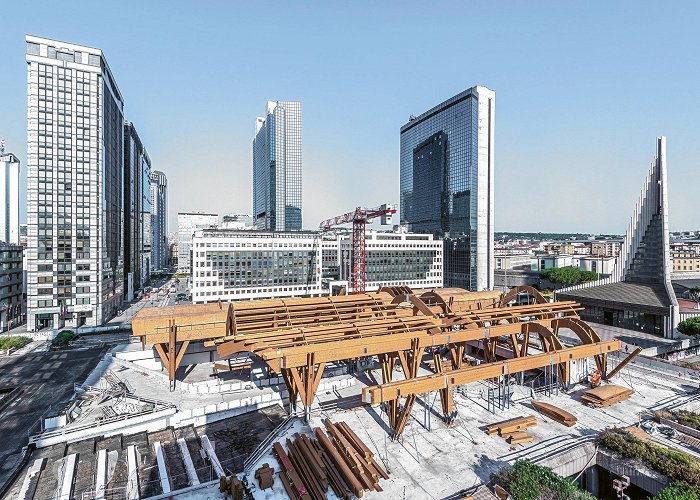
<point x="574" y="122"/>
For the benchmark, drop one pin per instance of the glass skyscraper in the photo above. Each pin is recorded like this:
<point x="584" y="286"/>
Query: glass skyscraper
<point x="277" y="168"/>
<point x="447" y="158"/>
<point x="159" y="219"/>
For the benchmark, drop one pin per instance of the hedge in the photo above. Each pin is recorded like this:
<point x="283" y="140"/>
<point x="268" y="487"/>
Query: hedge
<point x="674" y="464"/>
<point x="10" y="342"/>
<point x="527" y="481"/>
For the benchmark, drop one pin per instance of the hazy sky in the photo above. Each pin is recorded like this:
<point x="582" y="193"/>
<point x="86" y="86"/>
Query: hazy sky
<point x="582" y="90"/>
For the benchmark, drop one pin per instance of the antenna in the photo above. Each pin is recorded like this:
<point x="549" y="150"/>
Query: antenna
<point x="2" y="145"/>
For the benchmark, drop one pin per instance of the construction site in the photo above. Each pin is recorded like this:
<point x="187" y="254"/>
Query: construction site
<point x="397" y="394"/>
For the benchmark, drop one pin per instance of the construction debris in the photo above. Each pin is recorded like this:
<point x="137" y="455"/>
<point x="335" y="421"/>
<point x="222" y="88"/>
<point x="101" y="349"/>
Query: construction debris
<point x="337" y="458"/>
<point x="555" y="413"/>
<point x="606" y="395"/>
<point x="265" y="476"/>
<point x="231" y="487"/>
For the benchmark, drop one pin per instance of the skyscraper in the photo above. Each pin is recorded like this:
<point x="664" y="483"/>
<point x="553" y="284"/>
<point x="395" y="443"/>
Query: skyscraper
<point x="159" y="219"/>
<point x="137" y="212"/>
<point x="9" y="197"/>
<point x="277" y="168"/>
<point x="447" y="166"/>
<point x="75" y="165"/>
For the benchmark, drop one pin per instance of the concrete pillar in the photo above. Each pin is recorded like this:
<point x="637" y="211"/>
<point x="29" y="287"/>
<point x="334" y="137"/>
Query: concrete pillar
<point x="592" y="481"/>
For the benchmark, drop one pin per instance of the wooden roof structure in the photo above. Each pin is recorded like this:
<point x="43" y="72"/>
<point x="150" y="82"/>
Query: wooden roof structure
<point x="297" y="337"/>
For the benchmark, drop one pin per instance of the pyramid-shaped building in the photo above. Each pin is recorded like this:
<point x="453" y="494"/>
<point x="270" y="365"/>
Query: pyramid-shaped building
<point x="638" y="296"/>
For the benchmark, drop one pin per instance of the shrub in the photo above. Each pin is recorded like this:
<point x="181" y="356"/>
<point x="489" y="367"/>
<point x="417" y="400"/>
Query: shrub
<point x="10" y="342"/>
<point x="527" y="481"/>
<point x="677" y="490"/>
<point x="672" y="463"/>
<point x="690" y="326"/>
<point x="568" y="275"/>
<point x="63" y="338"/>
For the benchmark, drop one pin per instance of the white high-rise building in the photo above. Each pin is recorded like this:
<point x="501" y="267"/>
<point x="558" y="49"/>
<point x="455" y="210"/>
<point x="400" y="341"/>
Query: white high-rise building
<point x="159" y="219"/>
<point x="9" y="198"/>
<point x="277" y="168"/>
<point x="75" y="260"/>
<point x="187" y="224"/>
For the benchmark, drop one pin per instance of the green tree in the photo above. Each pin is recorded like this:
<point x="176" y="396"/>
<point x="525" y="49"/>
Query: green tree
<point x="690" y="326"/>
<point x="568" y="276"/>
<point x="695" y="294"/>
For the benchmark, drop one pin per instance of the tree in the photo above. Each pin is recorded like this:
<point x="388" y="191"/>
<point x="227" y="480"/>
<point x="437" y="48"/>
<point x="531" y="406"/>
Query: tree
<point x="690" y="326"/>
<point x="695" y="294"/>
<point x="568" y="276"/>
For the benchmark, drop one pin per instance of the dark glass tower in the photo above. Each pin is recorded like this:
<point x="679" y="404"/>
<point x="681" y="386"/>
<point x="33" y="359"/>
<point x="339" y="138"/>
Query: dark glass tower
<point x="447" y="183"/>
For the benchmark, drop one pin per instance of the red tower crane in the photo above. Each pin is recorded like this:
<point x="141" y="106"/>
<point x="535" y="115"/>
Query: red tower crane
<point x="359" y="218"/>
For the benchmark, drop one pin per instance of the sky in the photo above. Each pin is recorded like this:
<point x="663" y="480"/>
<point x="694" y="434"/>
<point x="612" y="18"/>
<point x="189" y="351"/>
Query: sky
<point x="582" y="90"/>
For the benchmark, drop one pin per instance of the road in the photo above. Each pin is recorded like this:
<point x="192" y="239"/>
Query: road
<point x="154" y="299"/>
<point x="47" y="378"/>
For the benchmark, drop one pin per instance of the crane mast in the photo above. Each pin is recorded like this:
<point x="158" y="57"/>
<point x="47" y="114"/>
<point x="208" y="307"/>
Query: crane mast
<point x="359" y="218"/>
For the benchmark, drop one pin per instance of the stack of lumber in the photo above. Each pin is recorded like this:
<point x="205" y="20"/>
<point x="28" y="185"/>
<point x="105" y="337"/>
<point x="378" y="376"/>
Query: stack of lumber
<point x="337" y="458"/>
<point x="555" y="413"/>
<point x="606" y="395"/>
<point x="513" y="430"/>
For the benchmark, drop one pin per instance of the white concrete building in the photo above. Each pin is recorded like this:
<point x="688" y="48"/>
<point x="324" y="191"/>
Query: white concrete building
<point x="75" y="145"/>
<point x="393" y="259"/>
<point x="243" y="265"/>
<point x="9" y="198"/>
<point x="187" y="224"/>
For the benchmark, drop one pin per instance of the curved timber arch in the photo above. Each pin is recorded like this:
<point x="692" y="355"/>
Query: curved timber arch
<point x="513" y="293"/>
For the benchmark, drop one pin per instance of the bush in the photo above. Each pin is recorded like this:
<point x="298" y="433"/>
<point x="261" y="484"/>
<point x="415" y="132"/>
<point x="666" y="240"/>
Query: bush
<point x="690" y="326"/>
<point x="527" y="481"/>
<point x="10" y="342"/>
<point x="674" y="464"/>
<point x="63" y="338"/>
<point x="677" y="490"/>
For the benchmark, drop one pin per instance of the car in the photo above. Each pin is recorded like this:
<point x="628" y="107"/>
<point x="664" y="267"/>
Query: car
<point x="182" y="296"/>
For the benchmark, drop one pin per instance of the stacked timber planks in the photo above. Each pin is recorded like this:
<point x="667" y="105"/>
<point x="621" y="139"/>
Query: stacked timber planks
<point x="555" y="413"/>
<point x="606" y="395"/>
<point x="513" y="430"/>
<point x="512" y="425"/>
<point x="337" y="458"/>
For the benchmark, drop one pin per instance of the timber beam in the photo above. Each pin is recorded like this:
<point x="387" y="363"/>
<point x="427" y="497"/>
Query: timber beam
<point x="411" y="388"/>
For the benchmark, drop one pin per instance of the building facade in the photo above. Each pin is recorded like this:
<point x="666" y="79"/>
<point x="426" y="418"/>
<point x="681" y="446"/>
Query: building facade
<point x="277" y="168"/>
<point x="243" y="265"/>
<point x="12" y="306"/>
<point x="447" y="183"/>
<point x="187" y="224"/>
<point x="74" y="190"/>
<point x="639" y="294"/>
<point x="159" y="220"/>
<point x="686" y="260"/>
<point x="397" y="259"/>
<point x="138" y="239"/>
<point x="237" y="221"/>
<point x="9" y="198"/>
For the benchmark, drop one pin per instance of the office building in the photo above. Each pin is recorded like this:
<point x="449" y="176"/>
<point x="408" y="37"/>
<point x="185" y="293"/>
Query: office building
<point x="187" y="224"/>
<point x="159" y="220"/>
<point x="393" y="259"/>
<point x="639" y="294"/>
<point x="74" y="191"/>
<point x="137" y="212"/>
<point x="277" y="168"/>
<point x="447" y="183"/>
<point x="237" y="221"/>
<point x="9" y="198"/>
<point x="243" y="265"/>
<point x="12" y="307"/>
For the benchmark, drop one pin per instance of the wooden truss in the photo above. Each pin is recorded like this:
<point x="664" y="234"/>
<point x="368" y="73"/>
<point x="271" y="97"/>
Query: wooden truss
<point x="392" y="392"/>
